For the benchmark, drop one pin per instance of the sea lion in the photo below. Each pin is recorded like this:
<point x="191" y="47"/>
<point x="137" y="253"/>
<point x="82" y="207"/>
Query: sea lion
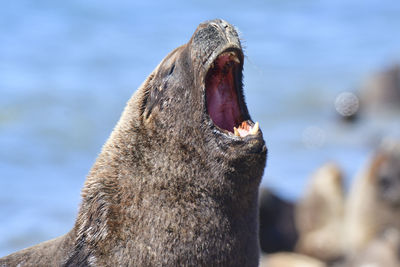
<point x="177" y="181"/>
<point x="373" y="203"/>
<point x="320" y="215"/>
<point x="381" y="251"/>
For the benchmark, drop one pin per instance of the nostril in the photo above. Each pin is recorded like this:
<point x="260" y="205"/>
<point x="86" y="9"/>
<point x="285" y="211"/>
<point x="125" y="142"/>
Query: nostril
<point x="220" y="24"/>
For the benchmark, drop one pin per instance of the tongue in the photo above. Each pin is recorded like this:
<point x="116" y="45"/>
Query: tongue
<point x="222" y="100"/>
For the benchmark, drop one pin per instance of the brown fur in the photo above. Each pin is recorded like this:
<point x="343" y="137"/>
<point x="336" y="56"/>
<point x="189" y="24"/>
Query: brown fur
<point x="168" y="188"/>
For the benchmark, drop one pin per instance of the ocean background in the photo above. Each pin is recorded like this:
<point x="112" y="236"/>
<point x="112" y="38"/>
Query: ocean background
<point x="67" y="68"/>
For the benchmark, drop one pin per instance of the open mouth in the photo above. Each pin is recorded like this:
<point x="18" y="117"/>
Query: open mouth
<point x="222" y="96"/>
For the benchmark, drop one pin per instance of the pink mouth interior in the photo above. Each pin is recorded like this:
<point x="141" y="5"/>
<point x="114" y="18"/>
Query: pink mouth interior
<point x="222" y="100"/>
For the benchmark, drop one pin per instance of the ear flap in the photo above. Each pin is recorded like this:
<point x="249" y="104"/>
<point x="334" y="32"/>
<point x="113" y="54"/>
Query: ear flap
<point x="156" y="84"/>
<point x="147" y="86"/>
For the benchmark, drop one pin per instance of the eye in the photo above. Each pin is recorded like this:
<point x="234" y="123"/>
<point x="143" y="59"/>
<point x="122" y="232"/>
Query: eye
<point x="171" y="70"/>
<point x="384" y="182"/>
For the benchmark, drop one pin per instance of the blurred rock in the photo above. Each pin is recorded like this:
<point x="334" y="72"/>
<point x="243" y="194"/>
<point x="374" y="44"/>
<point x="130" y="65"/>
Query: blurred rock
<point x="277" y="227"/>
<point x="286" y="259"/>
<point x="319" y="215"/>
<point x="379" y="95"/>
<point x="382" y="91"/>
<point x="374" y="199"/>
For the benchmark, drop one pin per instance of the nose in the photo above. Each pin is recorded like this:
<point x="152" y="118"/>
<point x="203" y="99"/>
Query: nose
<point x="214" y="36"/>
<point x="226" y="29"/>
<point x="220" y="24"/>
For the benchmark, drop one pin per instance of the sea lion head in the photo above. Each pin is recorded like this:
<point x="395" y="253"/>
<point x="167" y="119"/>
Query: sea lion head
<point x="195" y="97"/>
<point x="178" y="178"/>
<point x="387" y="174"/>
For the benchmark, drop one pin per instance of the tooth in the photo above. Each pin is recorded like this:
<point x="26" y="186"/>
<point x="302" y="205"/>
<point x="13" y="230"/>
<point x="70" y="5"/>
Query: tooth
<point x="255" y="128"/>
<point x="235" y="130"/>
<point x="233" y="56"/>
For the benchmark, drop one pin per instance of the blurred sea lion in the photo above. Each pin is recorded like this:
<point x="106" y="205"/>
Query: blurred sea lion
<point x="319" y="215"/>
<point x="374" y="200"/>
<point x="383" y="251"/>
<point x="177" y="181"/>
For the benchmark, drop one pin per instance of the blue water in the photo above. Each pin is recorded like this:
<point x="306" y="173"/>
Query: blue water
<point x="67" y="69"/>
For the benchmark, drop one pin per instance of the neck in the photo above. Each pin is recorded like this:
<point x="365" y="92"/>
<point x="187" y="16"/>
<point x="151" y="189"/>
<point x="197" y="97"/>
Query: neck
<point x="142" y="189"/>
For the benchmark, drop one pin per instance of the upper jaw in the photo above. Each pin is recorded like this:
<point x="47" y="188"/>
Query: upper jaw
<point x="224" y="97"/>
<point x="229" y="48"/>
